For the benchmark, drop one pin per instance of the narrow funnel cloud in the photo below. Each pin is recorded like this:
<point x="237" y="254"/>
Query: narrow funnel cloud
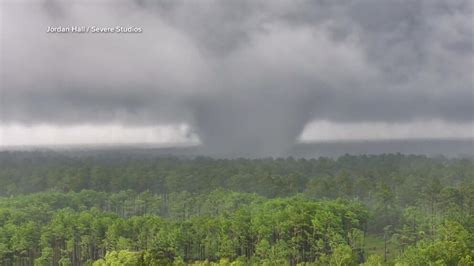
<point x="247" y="76"/>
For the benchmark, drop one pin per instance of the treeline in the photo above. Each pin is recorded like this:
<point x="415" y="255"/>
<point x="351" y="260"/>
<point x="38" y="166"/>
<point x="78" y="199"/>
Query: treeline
<point x="114" y="209"/>
<point x="387" y="184"/>
<point x="348" y="176"/>
<point x="222" y="227"/>
<point x="80" y="228"/>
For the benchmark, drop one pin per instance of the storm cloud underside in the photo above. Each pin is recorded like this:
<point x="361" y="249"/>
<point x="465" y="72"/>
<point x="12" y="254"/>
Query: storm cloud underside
<point x="246" y="75"/>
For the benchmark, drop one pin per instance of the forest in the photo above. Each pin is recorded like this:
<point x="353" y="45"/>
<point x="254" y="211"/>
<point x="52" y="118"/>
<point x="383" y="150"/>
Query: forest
<point x="119" y="208"/>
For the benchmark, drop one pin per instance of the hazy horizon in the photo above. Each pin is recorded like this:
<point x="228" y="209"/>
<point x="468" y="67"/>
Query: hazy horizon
<point x="452" y="148"/>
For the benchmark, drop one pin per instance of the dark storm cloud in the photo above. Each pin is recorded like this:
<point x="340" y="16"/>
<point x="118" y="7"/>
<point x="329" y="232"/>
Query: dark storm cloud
<point x="247" y="75"/>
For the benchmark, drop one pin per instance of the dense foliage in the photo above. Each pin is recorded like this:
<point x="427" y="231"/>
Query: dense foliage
<point x="126" y="209"/>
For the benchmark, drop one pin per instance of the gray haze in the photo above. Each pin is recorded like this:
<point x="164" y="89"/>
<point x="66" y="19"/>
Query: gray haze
<point x="246" y="75"/>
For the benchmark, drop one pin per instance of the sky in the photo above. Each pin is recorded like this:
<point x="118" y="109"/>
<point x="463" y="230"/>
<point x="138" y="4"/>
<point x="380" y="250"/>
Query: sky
<point x="255" y="76"/>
